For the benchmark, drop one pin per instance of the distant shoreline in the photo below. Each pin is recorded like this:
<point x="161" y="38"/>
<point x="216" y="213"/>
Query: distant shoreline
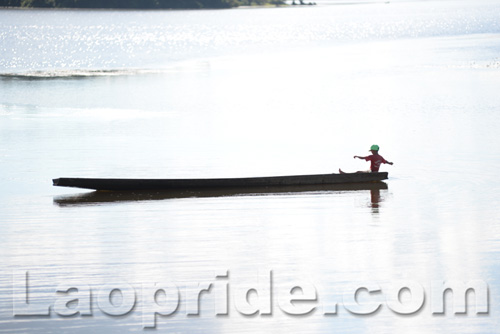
<point x="146" y="5"/>
<point x="141" y="9"/>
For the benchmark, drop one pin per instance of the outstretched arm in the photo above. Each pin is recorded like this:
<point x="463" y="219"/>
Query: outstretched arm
<point x="357" y="156"/>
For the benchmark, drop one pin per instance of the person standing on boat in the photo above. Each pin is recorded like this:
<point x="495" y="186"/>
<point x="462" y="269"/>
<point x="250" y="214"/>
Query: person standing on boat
<point x="375" y="160"/>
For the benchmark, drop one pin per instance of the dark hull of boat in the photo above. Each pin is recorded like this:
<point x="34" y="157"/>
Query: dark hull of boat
<point x="193" y="184"/>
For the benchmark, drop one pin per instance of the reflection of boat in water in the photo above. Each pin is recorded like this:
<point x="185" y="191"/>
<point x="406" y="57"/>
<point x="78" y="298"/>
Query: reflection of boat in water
<point x="99" y="197"/>
<point x="220" y="183"/>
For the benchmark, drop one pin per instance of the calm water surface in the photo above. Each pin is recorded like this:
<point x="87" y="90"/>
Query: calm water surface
<point x="250" y="92"/>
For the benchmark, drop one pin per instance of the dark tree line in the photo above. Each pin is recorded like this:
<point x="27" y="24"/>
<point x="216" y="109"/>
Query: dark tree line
<point x="137" y="4"/>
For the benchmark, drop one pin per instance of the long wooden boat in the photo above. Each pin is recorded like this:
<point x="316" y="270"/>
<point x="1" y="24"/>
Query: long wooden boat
<point x="223" y="183"/>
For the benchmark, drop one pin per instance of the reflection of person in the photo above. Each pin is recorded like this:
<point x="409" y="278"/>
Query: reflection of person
<point x="375" y="160"/>
<point x="375" y="198"/>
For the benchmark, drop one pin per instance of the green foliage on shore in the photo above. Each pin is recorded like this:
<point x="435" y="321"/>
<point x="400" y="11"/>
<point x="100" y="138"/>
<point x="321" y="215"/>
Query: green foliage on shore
<point x="136" y="4"/>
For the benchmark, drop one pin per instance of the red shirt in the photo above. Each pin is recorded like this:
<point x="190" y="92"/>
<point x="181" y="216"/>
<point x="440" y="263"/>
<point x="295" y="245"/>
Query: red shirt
<point x="376" y="161"/>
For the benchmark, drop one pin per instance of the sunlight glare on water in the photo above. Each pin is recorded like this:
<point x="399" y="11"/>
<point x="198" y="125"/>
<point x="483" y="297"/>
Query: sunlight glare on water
<point x="239" y="93"/>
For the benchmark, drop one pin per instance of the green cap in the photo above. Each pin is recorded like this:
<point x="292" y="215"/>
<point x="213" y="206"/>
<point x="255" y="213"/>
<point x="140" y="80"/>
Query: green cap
<point x="374" y="148"/>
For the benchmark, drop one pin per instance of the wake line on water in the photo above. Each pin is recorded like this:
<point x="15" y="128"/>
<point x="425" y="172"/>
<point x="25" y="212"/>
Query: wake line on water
<point x="71" y="74"/>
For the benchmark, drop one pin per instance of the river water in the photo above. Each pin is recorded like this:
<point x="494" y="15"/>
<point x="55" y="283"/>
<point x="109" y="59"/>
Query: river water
<point x="251" y="92"/>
